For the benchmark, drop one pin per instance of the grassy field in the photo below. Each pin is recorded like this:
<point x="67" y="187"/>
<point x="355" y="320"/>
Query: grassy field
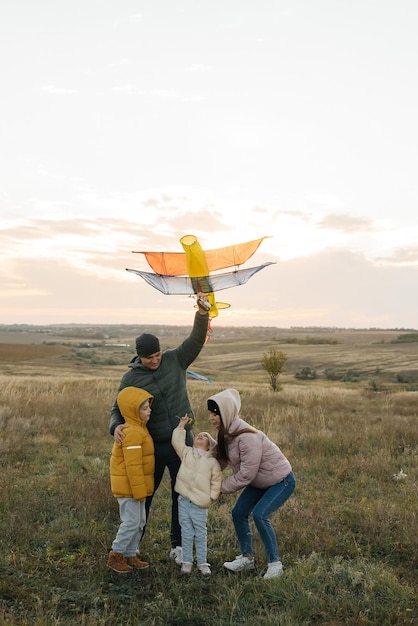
<point x="348" y="536"/>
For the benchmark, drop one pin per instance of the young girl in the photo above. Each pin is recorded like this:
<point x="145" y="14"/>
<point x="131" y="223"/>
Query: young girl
<point x="132" y="478"/>
<point x="259" y="467"/>
<point x="198" y="485"/>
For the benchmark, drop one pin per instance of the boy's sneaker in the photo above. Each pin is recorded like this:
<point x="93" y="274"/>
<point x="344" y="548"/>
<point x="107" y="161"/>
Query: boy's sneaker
<point x="274" y="569"/>
<point x="186" y="568"/>
<point x="117" y="562"/>
<point x="136" y="563"/>
<point x="204" y="568"/>
<point x="177" y="555"/>
<point x="240" y="563"/>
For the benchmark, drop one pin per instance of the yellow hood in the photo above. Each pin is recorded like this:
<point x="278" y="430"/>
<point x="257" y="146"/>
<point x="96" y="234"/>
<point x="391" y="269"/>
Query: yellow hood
<point x="129" y="401"/>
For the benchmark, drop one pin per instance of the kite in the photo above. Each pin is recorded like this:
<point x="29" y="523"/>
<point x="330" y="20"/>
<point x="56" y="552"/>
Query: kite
<point x="189" y="272"/>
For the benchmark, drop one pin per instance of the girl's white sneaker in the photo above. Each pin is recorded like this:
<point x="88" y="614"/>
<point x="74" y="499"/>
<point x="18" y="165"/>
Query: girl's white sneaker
<point x="186" y="568"/>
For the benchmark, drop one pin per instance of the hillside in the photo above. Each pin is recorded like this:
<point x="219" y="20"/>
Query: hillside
<point x="232" y="352"/>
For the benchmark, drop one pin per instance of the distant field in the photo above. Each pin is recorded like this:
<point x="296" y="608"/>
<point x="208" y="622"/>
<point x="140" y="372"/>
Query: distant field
<point x="13" y="352"/>
<point x="231" y="353"/>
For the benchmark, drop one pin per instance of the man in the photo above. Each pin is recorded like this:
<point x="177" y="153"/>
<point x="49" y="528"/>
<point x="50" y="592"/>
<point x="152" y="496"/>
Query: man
<point x="164" y="375"/>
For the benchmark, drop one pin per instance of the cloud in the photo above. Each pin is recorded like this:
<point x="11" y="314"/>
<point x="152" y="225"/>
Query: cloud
<point x="70" y="262"/>
<point x="165" y="93"/>
<point x="327" y="289"/>
<point x="332" y="288"/>
<point x="327" y="201"/>
<point x="128" y="89"/>
<point x="121" y="62"/>
<point x="346" y="223"/>
<point x="199" y="68"/>
<point x="58" y="91"/>
<point x="400" y="256"/>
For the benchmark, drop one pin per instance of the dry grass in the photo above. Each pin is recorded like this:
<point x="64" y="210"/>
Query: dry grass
<point x="347" y="536"/>
<point x="18" y="352"/>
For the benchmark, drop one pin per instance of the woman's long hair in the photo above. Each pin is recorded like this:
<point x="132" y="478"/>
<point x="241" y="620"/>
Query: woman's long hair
<point x="223" y="436"/>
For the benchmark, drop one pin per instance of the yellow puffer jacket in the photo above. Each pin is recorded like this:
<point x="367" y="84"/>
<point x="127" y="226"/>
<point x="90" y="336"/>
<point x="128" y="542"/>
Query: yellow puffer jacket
<point x="132" y="462"/>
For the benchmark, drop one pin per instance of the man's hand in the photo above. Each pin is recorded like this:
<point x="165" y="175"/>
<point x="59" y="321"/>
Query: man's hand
<point x="118" y="434"/>
<point x="203" y="303"/>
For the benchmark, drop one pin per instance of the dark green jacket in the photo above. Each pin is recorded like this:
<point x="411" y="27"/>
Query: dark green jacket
<point x="168" y="384"/>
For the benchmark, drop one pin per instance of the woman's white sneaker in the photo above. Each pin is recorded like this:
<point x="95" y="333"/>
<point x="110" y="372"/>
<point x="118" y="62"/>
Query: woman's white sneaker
<point x="240" y="563"/>
<point x="274" y="569"/>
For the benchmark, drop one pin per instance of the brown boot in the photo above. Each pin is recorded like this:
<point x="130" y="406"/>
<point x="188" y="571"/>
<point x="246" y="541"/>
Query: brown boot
<point x="134" y="562"/>
<point x="117" y="562"/>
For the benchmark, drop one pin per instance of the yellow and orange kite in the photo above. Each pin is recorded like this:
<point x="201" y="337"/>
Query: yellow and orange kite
<point x="189" y="272"/>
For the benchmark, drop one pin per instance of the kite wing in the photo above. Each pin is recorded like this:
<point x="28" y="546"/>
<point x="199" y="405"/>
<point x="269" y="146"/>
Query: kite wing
<point x="185" y="285"/>
<point x="175" y="263"/>
<point x="168" y="263"/>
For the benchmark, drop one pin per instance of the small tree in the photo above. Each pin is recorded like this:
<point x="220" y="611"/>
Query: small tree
<point x="273" y="362"/>
<point x="375" y="384"/>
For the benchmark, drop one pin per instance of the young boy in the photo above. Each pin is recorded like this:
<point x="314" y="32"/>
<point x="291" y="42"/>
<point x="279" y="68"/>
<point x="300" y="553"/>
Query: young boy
<point x="132" y="478"/>
<point x="198" y="484"/>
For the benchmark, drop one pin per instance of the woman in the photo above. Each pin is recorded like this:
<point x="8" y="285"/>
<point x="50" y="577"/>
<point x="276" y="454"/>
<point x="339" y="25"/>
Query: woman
<point x="259" y="467"/>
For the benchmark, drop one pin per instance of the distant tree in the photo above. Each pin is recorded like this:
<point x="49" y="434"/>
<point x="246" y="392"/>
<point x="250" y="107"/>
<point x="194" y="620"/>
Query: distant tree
<point x="306" y="373"/>
<point x="273" y="362"/>
<point x="375" y="384"/>
<point x="406" y="338"/>
<point x="351" y="376"/>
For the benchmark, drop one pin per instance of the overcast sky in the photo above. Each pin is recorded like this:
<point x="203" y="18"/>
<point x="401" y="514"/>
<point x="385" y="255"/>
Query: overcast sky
<point x="127" y="124"/>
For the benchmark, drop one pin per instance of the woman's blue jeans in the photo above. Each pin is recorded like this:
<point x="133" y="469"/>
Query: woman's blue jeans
<point x="261" y="503"/>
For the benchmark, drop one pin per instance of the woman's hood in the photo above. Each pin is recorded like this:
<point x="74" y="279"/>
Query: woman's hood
<point x="129" y="401"/>
<point x="229" y="403"/>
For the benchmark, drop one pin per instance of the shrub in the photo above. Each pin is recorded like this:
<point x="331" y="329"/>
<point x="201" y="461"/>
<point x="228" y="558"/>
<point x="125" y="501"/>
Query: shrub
<point x="306" y="373"/>
<point x="407" y="376"/>
<point x="273" y="362"/>
<point x="406" y="338"/>
<point x="351" y="376"/>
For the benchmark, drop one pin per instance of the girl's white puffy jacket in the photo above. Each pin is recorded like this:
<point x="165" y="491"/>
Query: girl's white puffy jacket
<point x="200" y="476"/>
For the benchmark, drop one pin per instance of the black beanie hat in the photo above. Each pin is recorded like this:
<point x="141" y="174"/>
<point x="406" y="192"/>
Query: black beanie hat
<point x="213" y="407"/>
<point x="147" y="344"/>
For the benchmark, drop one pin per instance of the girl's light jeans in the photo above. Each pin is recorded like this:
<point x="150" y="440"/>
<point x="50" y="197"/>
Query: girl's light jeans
<point x="133" y="516"/>
<point x="193" y="521"/>
<point x="261" y="503"/>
